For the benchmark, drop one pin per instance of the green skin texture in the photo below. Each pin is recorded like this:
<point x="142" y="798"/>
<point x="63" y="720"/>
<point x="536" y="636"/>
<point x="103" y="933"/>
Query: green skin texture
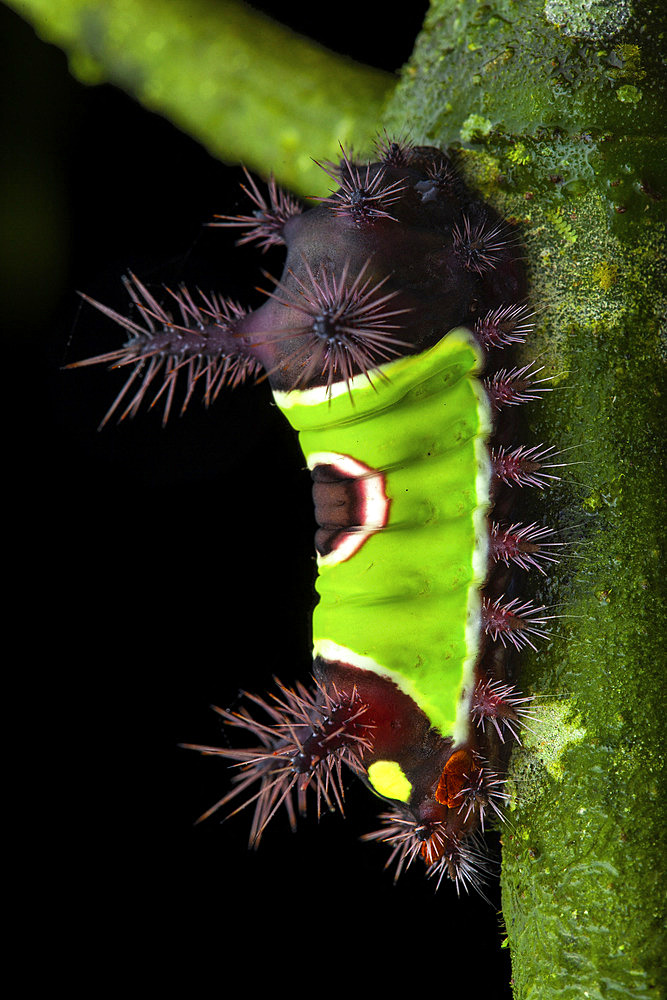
<point x="555" y="109"/>
<point x="408" y="599"/>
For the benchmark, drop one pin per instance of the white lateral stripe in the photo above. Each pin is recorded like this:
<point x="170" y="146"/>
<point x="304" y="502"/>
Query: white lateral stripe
<point x="333" y="653"/>
<point x="473" y="630"/>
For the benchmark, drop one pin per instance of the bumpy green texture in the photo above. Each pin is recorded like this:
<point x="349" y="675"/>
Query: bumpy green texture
<point x="403" y="600"/>
<point x="249" y="89"/>
<point x="554" y="115"/>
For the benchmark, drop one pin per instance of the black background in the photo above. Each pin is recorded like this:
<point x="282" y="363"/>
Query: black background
<point x="155" y="571"/>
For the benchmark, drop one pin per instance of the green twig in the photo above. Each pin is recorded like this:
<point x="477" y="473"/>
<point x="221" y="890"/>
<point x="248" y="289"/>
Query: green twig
<point x="249" y="89"/>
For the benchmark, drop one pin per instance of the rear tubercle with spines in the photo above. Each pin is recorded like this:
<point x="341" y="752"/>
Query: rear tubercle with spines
<point x="302" y="741"/>
<point x="381" y="341"/>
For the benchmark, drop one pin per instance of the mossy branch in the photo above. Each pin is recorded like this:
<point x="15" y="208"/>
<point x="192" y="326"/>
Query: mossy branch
<point x="249" y="89"/>
<point x="555" y="109"/>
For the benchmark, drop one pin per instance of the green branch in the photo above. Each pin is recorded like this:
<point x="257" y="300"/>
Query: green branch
<point x="555" y="109"/>
<point x="249" y="89"/>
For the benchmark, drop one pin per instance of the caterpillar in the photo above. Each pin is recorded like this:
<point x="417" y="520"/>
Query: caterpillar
<point x="382" y="343"/>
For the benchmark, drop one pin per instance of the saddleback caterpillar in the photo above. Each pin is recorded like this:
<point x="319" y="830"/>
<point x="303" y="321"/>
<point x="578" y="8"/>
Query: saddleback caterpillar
<point x="382" y="343"/>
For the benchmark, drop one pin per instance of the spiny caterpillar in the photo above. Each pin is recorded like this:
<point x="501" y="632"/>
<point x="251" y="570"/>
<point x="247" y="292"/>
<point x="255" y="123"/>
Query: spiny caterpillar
<point x="381" y="343"/>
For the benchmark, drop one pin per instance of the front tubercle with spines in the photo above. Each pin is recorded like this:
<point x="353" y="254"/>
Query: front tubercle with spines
<point x="305" y="739"/>
<point x="196" y="344"/>
<point x="343" y="324"/>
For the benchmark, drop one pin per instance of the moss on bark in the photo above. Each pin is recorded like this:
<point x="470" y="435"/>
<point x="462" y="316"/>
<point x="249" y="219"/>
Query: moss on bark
<point x="555" y="121"/>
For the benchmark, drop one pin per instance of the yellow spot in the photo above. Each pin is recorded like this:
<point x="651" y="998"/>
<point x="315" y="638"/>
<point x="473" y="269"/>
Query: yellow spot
<point x="387" y="778"/>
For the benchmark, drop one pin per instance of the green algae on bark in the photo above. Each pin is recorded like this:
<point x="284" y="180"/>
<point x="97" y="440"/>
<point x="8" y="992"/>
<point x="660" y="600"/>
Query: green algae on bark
<point x="511" y="67"/>
<point x="543" y="120"/>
